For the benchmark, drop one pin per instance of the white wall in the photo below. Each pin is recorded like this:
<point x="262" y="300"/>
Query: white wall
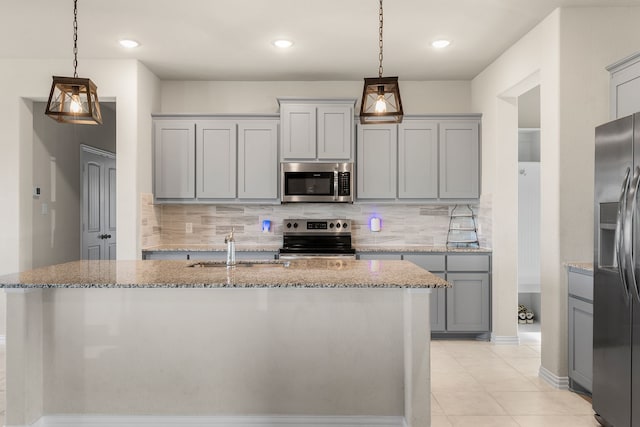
<point x="127" y="82"/>
<point x="566" y="54"/>
<point x="261" y="97"/>
<point x="56" y="229"/>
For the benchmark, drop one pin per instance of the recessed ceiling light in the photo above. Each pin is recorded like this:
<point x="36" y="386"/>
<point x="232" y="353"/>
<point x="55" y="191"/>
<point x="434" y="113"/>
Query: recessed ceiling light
<point x="129" y="44"/>
<point x="282" y="43"/>
<point x="440" y="44"/>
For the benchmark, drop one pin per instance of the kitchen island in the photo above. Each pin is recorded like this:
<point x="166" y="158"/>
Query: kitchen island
<point x="324" y="342"/>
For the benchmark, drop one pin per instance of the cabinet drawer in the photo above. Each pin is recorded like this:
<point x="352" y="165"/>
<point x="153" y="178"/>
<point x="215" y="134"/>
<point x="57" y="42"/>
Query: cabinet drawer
<point x="379" y="256"/>
<point x="428" y="262"/>
<point x="581" y="285"/>
<point x="468" y="263"/>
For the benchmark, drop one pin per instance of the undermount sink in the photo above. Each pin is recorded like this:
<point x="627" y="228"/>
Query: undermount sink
<point x="251" y="264"/>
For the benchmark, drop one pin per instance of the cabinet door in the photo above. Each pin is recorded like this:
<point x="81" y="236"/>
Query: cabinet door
<point x="459" y="160"/>
<point x="625" y="89"/>
<point x="380" y="256"/>
<point x="438" y="308"/>
<point x="468" y="303"/>
<point x="335" y="132"/>
<point x="216" y="159"/>
<point x="257" y="160"/>
<point x="174" y="159"/>
<point x="418" y="160"/>
<point x="298" y="131"/>
<point x="581" y="342"/>
<point x="376" y="171"/>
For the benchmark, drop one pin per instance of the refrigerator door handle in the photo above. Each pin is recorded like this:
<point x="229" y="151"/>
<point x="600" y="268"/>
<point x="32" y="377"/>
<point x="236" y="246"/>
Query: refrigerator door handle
<point x="632" y="205"/>
<point x="620" y="235"/>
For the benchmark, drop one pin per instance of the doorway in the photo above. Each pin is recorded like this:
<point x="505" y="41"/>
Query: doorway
<point x="98" y="204"/>
<point x="529" y="301"/>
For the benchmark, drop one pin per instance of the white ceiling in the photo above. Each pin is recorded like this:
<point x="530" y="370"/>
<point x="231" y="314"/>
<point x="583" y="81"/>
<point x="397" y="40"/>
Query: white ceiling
<point x="231" y="39"/>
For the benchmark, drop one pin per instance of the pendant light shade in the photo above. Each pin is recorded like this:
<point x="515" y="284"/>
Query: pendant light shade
<point x="74" y="99"/>
<point x="381" y="101"/>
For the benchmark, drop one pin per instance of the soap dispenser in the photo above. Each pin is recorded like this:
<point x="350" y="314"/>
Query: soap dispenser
<point x="231" y="249"/>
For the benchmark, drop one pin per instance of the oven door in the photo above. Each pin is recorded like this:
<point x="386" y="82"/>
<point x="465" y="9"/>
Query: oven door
<point x="308" y="186"/>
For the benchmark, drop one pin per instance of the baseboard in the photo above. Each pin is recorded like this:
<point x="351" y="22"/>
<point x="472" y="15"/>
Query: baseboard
<point x="216" y="421"/>
<point x="554" y="380"/>
<point x="508" y="340"/>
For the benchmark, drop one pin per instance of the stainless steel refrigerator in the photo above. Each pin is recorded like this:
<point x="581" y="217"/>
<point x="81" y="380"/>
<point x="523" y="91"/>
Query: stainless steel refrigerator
<point x="616" y="317"/>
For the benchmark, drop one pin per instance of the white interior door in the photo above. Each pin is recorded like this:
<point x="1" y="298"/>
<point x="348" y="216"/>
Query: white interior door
<point x="98" y="204"/>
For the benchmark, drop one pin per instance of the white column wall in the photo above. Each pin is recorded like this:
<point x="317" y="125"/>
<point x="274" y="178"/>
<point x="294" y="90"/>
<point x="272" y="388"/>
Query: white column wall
<point x="25" y="80"/>
<point x="569" y="50"/>
<point x="493" y="95"/>
<point x="261" y="97"/>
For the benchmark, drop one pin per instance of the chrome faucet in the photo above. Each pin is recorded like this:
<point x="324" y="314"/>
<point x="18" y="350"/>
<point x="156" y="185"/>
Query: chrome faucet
<point x="231" y="249"/>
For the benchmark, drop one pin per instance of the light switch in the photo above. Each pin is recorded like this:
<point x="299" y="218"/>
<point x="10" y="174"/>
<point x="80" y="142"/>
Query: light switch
<point x="189" y="228"/>
<point x="44" y="208"/>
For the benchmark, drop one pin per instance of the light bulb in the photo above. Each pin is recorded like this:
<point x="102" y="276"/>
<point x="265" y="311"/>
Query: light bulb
<point x="381" y="104"/>
<point x="75" y="105"/>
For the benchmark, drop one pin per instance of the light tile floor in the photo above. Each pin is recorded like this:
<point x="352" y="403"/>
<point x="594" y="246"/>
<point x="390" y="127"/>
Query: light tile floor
<point x="481" y="384"/>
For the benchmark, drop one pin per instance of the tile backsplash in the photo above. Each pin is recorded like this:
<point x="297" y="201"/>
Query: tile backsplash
<point x="402" y="225"/>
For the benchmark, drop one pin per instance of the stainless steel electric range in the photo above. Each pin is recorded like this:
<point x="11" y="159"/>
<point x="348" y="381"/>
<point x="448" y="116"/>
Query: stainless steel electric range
<point x="307" y="238"/>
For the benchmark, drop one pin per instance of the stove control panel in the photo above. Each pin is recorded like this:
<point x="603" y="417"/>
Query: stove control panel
<point x="328" y="226"/>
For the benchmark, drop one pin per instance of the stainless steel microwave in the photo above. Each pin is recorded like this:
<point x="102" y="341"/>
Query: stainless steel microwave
<point x="317" y="182"/>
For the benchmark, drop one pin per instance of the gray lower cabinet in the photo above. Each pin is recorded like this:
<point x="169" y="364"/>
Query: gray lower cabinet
<point x="468" y="304"/>
<point x="463" y="309"/>
<point x="208" y="255"/>
<point x="580" y="334"/>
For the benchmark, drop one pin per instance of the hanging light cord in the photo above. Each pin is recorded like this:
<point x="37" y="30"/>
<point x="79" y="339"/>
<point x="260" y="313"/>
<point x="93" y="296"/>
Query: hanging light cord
<point x="75" y="38"/>
<point x="379" y="40"/>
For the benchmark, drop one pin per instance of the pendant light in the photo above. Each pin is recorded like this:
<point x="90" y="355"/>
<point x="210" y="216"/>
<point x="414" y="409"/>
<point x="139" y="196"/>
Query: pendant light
<point x="381" y="101"/>
<point x="74" y="99"/>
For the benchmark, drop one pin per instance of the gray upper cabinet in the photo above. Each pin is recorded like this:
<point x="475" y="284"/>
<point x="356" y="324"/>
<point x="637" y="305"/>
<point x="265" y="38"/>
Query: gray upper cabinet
<point x="418" y="159"/>
<point x="317" y="130"/>
<point x="335" y="132"/>
<point x="257" y="160"/>
<point x="459" y="160"/>
<point x="624" y="89"/>
<point x="174" y="159"/>
<point x="298" y="131"/>
<point x="216" y="159"/>
<point x="376" y="165"/>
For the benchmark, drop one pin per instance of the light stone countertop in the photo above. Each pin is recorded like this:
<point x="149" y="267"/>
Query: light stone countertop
<point x="586" y="267"/>
<point x="176" y="274"/>
<point x="271" y="248"/>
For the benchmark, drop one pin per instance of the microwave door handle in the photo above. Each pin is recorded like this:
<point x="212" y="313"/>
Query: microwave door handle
<point x="335" y="185"/>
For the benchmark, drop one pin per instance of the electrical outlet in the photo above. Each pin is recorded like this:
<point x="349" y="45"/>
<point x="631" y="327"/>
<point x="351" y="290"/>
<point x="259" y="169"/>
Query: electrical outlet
<point x="189" y="228"/>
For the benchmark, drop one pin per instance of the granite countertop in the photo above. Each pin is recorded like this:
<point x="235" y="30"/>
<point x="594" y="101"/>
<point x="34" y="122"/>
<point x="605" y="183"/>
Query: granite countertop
<point x="176" y="274"/>
<point x="268" y="248"/>
<point x="186" y="247"/>
<point x="580" y="266"/>
<point x="419" y="248"/>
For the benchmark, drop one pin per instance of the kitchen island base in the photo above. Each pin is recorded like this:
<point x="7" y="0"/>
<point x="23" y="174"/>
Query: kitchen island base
<point x="228" y="356"/>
